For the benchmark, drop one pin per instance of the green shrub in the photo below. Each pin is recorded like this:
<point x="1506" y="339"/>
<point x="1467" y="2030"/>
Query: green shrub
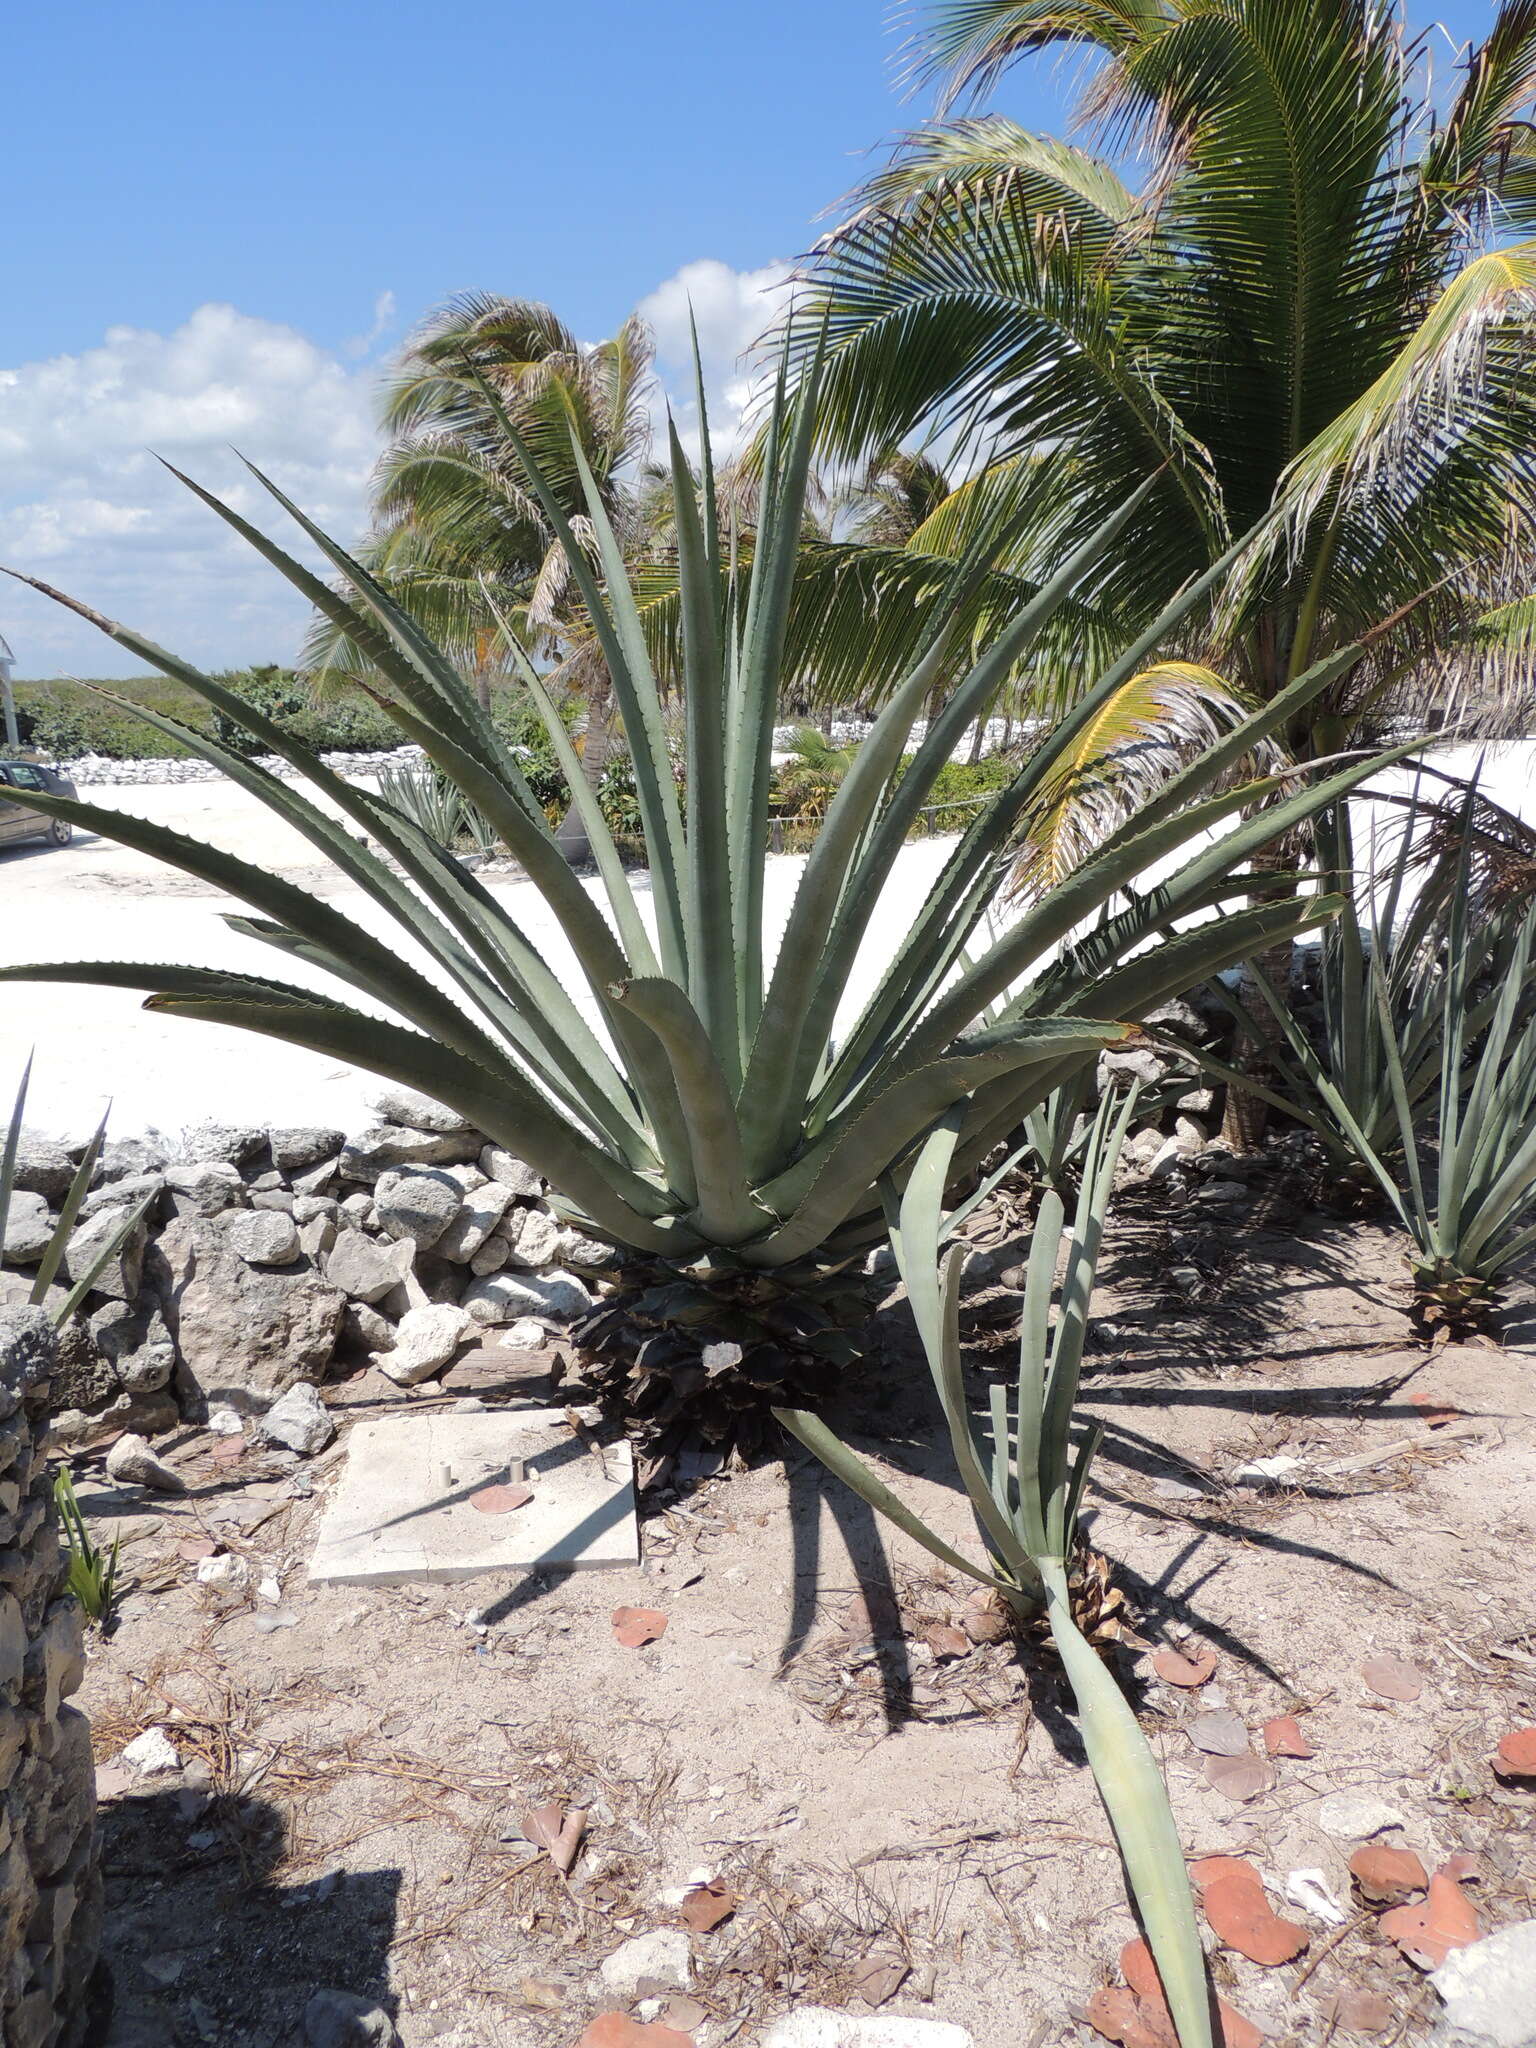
<point x="65" y="719"/>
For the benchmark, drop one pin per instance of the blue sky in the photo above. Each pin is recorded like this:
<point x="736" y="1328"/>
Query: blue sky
<point x="222" y="219"/>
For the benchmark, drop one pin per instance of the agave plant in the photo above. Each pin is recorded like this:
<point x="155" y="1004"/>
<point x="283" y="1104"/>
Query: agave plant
<point x="1424" y="1088"/>
<point x="431" y="801"/>
<point x="722" y="1112"/>
<point x="1024" y="1478"/>
<point x="92" y="1571"/>
<point x="58" y="1244"/>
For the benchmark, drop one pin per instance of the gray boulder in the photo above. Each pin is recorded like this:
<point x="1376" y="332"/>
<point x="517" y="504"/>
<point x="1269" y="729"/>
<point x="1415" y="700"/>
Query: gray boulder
<point x="28" y="1229"/>
<point x="340" y="2019"/>
<point x="43" y="1165"/>
<point x="28" y="1348"/>
<point x="395" y="1105"/>
<point x="135" y="1343"/>
<point x="298" y="1147"/>
<point x="387" y="1146"/>
<point x="364" y="1269"/>
<point x="245" y="1333"/>
<point x="364" y="1329"/>
<point x="262" y="1237"/>
<point x="491" y="1257"/>
<point x="127" y="1193"/>
<point x="124" y="1158"/>
<point x="504" y="1297"/>
<point x="316" y="1179"/>
<point x="316" y="1237"/>
<point x="534" y="1237"/>
<point x="504" y="1166"/>
<point x="122" y="1274"/>
<point x="425" y="1340"/>
<point x="234" y="1143"/>
<point x="1489" y="1990"/>
<point x="132" y="1463"/>
<point x="418" y="1204"/>
<point x="299" y="1420"/>
<point x="482" y="1210"/>
<point x="204" y="1187"/>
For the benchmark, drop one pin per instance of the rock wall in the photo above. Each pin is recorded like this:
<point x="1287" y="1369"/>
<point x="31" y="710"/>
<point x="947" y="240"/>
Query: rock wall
<point x="50" y="1886"/>
<point x="100" y="770"/>
<point x="268" y="1259"/>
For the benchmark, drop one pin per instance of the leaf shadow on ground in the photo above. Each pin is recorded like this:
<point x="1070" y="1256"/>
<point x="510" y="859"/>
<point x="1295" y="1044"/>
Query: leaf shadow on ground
<point x="201" y="1942"/>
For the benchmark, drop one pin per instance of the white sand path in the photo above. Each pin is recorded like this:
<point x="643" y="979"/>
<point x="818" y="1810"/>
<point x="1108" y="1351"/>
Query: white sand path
<point x="95" y="900"/>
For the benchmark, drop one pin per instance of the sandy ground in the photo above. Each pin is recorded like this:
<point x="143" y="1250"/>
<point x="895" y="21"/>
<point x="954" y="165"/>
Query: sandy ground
<point x="361" y="1776"/>
<point x="96" y="900"/>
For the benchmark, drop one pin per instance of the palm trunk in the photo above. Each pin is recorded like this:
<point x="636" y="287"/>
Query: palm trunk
<point x="1246" y="1116"/>
<point x="597" y="750"/>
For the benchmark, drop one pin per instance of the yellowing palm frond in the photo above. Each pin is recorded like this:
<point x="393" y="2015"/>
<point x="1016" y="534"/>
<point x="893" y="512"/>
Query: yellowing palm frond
<point x="1140" y="736"/>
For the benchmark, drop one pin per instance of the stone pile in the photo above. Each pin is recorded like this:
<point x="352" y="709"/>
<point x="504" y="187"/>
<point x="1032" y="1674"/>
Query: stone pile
<point x="50" y="1886"/>
<point x="266" y="1259"/>
<point x="100" y="771"/>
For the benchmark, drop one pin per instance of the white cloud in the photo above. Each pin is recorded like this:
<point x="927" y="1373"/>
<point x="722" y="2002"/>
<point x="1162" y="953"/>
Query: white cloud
<point x="383" y="321"/>
<point x="732" y="309"/>
<point x="85" y="505"/>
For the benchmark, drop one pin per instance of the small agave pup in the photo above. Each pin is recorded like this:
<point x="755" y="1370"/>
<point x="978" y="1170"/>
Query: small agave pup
<point x="723" y="1113"/>
<point x="1025" y="1481"/>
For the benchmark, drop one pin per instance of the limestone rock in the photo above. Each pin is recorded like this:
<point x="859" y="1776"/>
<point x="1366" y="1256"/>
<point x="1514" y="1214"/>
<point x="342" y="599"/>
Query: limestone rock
<point x="128" y="1193"/>
<point x="28" y="1229"/>
<point x="28" y="1349"/>
<point x="425" y="1340"/>
<point x="133" y="1340"/>
<point x="132" y="1463"/>
<point x="43" y="1166"/>
<point x="575" y="1248"/>
<point x="417" y="1204"/>
<point x="340" y="2019"/>
<point x="1489" y="1990"/>
<point x="482" y="1211"/>
<point x="262" y="1237"/>
<point x="385" y="1146"/>
<point x="818" y="2026"/>
<point x="649" y="1964"/>
<point x="504" y="1166"/>
<point x="364" y="1269"/>
<point x="491" y="1257"/>
<point x="1357" y="1816"/>
<point x="245" y="1333"/>
<point x="314" y="1208"/>
<point x="204" y="1187"/>
<point x="298" y="1147"/>
<point x="122" y="1275"/>
<point x="364" y="1329"/>
<point x="123" y="1158"/>
<point x="392" y="1104"/>
<point x="315" y="1179"/>
<point x="316" y="1238"/>
<point x="504" y="1297"/>
<point x="536" y="1239"/>
<point x="300" y="1420"/>
<point x="152" y="1753"/>
<point x="235" y="1144"/>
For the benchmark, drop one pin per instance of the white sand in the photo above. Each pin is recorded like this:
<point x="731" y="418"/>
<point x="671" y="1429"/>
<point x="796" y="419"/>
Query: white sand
<point x="94" y="900"/>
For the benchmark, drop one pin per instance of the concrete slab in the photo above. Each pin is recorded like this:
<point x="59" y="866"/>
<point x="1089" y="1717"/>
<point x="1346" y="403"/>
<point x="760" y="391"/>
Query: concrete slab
<point x="404" y="1508"/>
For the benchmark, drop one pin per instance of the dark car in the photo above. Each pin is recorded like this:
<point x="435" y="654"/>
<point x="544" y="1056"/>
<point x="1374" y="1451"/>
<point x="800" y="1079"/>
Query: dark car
<point x="17" y="823"/>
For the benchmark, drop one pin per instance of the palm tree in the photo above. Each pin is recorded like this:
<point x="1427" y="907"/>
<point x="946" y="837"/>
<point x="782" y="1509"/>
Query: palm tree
<point x="459" y="538"/>
<point x="1313" y="313"/>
